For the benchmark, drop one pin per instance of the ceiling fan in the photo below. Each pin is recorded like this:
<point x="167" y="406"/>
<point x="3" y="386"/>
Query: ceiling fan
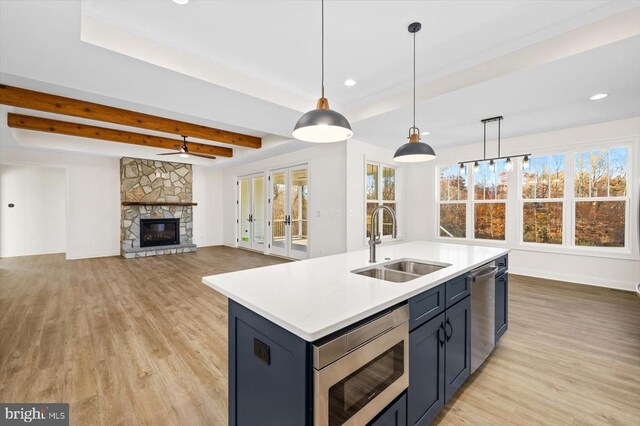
<point x="183" y="151"/>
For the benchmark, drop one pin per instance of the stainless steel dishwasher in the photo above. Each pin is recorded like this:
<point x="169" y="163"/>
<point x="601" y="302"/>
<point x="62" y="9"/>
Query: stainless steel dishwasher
<point x="483" y="313"/>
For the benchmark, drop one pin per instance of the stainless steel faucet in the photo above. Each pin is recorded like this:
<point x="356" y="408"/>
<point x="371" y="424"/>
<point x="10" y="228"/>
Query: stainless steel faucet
<point x="375" y="239"/>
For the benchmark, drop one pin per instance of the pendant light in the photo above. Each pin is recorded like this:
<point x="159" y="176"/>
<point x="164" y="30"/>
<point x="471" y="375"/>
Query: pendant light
<point x="414" y="151"/>
<point x="508" y="165"/>
<point x="322" y="125"/>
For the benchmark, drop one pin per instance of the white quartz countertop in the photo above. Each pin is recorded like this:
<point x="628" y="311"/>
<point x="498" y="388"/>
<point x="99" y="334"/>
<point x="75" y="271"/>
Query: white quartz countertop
<point x="316" y="297"/>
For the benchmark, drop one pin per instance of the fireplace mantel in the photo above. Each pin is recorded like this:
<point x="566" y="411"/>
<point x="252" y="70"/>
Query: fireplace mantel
<point x="156" y="203"/>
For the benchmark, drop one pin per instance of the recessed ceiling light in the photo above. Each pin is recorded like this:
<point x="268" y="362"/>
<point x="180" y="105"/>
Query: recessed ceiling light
<point x="424" y="133"/>
<point x="181" y="1"/>
<point x="598" y="96"/>
<point x="349" y="82"/>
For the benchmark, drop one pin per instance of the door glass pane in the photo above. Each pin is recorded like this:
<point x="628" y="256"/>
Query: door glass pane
<point x="372" y="182"/>
<point x="600" y="223"/>
<point x="388" y="183"/>
<point x="258" y="210"/>
<point x="542" y="222"/>
<point x="279" y="206"/>
<point x="299" y="200"/>
<point x="245" y="210"/>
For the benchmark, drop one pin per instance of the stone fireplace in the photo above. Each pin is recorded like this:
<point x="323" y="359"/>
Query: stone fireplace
<point x="157" y="208"/>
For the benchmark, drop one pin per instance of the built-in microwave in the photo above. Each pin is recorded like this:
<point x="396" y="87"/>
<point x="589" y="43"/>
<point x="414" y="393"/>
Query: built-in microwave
<point x="358" y="373"/>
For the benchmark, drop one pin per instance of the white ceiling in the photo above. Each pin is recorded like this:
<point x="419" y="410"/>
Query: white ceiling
<point x="278" y="42"/>
<point x="543" y="98"/>
<point x="252" y="66"/>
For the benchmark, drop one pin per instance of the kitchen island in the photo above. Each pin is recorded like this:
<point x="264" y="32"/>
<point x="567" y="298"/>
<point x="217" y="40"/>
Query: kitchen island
<point x="282" y="318"/>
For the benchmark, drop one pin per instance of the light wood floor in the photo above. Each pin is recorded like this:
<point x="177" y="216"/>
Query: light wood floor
<point x="142" y="341"/>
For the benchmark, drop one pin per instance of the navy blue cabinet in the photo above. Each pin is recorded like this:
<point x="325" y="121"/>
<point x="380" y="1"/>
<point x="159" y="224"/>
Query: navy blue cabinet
<point x="425" y="397"/>
<point x="439" y="356"/>
<point x="457" y="289"/>
<point x="394" y="415"/>
<point x="457" y="361"/>
<point x="425" y="306"/>
<point x="269" y="374"/>
<point x="502" y="304"/>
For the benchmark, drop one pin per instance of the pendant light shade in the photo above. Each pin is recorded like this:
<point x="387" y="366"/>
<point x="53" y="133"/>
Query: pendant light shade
<point x="322" y="125"/>
<point x="414" y="151"/>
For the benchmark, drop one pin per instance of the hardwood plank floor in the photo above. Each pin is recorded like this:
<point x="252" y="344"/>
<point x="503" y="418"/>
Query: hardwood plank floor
<point x="143" y="341"/>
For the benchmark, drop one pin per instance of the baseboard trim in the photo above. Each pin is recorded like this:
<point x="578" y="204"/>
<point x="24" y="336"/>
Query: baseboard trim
<point x="573" y="278"/>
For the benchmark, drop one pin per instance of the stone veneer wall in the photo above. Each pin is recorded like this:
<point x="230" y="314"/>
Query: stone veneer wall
<point x="154" y="181"/>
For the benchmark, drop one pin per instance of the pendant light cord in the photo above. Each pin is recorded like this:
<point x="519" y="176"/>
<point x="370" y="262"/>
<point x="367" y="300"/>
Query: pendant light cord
<point x="414" y="80"/>
<point x="499" y="120"/>
<point x="484" y="140"/>
<point x="322" y="49"/>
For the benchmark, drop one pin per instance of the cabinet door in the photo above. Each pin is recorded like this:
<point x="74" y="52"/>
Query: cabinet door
<point x="502" y="303"/>
<point x="394" y="415"/>
<point x="457" y="363"/>
<point x="425" y="397"/>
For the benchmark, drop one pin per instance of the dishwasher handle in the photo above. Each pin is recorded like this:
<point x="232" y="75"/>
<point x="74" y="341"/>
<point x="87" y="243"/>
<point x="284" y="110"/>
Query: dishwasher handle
<point x="483" y="272"/>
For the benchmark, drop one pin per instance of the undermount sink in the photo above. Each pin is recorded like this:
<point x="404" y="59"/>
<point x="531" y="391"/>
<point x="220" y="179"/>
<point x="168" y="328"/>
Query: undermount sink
<point x="400" y="271"/>
<point x="413" y="267"/>
<point x="387" y="275"/>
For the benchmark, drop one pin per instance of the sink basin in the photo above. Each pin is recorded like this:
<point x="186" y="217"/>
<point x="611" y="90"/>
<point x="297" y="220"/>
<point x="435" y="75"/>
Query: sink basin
<point x="413" y="267"/>
<point x="387" y="275"/>
<point x="400" y="271"/>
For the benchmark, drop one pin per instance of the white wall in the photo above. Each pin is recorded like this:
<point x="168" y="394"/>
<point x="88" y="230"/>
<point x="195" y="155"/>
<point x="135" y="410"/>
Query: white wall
<point x="602" y="269"/>
<point x="37" y="224"/>
<point x="92" y="196"/>
<point x="327" y="199"/>
<point x="207" y="215"/>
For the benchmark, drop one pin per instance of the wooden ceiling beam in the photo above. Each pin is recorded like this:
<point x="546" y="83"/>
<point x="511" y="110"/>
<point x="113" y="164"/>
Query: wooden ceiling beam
<point x="39" y="124"/>
<point x="30" y="99"/>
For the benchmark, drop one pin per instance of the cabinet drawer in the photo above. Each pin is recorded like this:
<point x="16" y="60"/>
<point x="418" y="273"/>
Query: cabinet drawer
<point x="394" y="415"/>
<point x="456" y="290"/>
<point x="425" y="306"/>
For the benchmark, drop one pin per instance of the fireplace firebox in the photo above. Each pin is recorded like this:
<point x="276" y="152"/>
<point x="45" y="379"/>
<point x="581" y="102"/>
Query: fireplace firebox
<point x="159" y="232"/>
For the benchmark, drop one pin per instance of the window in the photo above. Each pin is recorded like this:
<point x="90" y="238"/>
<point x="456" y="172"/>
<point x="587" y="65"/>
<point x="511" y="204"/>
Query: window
<point x="543" y="199"/>
<point x="577" y="199"/>
<point x="380" y="188"/>
<point x="601" y="198"/>
<point x="453" y="205"/>
<point x="490" y="201"/>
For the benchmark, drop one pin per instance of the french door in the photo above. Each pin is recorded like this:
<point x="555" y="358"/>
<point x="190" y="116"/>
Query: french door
<point x="289" y="201"/>
<point x="251" y="212"/>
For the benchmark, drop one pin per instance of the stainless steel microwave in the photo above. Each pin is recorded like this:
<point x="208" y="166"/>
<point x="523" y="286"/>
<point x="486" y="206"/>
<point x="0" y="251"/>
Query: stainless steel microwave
<point x="360" y="372"/>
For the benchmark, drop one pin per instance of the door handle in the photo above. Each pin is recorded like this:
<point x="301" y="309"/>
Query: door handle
<point x="449" y="324"/>
<point x="441" y="328"/>
<point x="250" y="218"/>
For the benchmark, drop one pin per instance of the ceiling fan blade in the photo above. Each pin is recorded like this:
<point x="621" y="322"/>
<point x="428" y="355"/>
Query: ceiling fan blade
<point x="169" y="153"/>
<point x="210" y="157"/>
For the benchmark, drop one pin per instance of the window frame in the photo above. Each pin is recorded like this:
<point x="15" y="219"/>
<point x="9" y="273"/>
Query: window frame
<point x="470" y="203"/>
<point x="568" y="245"/>
<point x="396" y="197"/>
<point x="440" y="202"/>
<point x="514" y="231"/>
<point x="564" y="200"/>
